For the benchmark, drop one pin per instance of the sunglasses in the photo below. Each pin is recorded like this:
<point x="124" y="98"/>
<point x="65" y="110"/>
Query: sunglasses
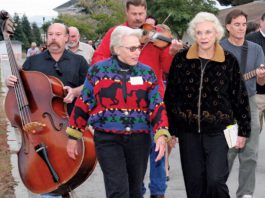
<point x="57" y="69"/>
<point x="133" y="48"/>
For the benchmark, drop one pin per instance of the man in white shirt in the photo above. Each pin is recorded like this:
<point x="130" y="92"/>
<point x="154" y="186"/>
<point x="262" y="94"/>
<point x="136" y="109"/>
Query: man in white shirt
<point x="76" y="46"/>
<point x="33" y="50"/>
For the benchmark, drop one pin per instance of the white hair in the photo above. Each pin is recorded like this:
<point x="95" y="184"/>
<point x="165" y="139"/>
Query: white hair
<point x="119" y="33"/>
<point x="205" y="17"/>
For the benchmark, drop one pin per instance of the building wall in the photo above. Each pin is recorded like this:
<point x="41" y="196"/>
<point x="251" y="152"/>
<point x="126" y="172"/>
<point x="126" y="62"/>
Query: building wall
<point x="17" y="49"/>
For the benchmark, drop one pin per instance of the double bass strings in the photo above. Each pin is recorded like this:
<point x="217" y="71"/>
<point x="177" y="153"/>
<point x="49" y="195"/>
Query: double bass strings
<point x="19" y="90"/>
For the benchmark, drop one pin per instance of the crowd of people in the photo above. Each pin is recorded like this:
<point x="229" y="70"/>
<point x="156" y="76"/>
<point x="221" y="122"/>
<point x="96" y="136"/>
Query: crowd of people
<point x="141" y="99"/>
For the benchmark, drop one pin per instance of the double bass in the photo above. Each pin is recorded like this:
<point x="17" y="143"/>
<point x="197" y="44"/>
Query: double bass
<point x="35" y="107"/>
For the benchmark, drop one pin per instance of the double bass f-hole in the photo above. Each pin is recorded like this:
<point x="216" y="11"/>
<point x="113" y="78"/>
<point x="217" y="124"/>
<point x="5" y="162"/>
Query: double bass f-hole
<point x="60" y="126"/>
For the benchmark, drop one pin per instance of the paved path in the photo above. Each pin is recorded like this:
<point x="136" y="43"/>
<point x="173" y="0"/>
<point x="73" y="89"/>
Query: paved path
<point x="93" y="187"/>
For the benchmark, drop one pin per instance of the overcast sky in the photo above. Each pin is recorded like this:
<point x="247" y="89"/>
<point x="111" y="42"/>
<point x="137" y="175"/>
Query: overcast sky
<point x="31" y="7"/>
<point x="35" y="10"/>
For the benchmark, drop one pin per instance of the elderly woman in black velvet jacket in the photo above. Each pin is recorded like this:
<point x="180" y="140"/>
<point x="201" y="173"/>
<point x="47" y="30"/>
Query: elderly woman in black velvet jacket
<point x="205" y="94"/>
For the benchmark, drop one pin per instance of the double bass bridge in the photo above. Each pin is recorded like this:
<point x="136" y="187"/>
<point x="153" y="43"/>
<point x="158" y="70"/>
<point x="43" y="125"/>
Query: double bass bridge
<point x="33" y="127"/>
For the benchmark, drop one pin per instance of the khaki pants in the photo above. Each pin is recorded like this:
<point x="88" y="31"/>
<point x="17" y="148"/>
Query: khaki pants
<point x="248" y="155"/>
<point x="260" y="101"/>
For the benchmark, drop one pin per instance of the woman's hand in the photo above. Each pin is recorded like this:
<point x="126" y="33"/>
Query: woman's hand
<point x="240" y="143"/>
<point x="72" y="148"/>
<point x="160" y="147"/>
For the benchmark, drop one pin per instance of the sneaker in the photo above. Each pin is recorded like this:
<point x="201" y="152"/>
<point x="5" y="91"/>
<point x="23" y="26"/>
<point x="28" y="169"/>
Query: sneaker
<point x="247" y="196"/>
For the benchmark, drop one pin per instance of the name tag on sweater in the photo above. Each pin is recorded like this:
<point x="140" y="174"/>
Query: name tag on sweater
<point x="137" y="80"/>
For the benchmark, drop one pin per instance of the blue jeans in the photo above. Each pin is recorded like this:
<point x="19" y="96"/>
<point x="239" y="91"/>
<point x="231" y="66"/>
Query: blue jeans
<point x="157" y="176"/>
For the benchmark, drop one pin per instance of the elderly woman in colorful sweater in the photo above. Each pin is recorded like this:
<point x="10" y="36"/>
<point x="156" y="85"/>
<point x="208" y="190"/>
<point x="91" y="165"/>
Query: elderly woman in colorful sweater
<point x="121" y="100"/>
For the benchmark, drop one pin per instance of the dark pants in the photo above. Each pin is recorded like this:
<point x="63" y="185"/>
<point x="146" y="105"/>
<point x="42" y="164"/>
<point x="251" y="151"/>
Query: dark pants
<point x="204" y="165"/>
<point x="123" y="160"/>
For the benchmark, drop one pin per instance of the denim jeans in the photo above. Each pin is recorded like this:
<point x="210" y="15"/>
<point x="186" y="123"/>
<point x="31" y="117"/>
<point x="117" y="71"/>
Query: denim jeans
<point x="157" y="176"/>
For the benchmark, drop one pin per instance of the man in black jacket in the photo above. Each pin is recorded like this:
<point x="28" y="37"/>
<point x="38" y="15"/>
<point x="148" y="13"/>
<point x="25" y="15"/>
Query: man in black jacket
<point x="259" y="38"/>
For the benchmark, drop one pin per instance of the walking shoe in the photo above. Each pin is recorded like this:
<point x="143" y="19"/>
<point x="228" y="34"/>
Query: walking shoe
<point x="247" y="196"/>
<point x="157" y="196"/>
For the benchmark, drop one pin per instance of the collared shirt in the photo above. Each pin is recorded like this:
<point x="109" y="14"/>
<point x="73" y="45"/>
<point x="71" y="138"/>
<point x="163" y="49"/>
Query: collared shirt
<point x="255" y="57"/>
<point x="263" y="34"/>
<point x="85" y="50"/>
<point x="33" y="51"/>
<point x="71" y="69"/>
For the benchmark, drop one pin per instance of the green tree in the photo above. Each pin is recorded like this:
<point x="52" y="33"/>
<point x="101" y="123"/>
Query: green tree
<point x="95" y="17"/>
<point x="234" y="2"/>
<point x="82" y="22"/>
<point x="36" y="33"/>
<point x="106" y="13"/>
<point x="27" y="31"/>
<point x="44" y="29"/>
<point x="19" y="34"/>
<point x="180" y="12"/>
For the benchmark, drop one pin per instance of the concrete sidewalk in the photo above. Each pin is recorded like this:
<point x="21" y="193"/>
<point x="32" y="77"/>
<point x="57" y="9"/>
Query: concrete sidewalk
<point x="93" y="187"/>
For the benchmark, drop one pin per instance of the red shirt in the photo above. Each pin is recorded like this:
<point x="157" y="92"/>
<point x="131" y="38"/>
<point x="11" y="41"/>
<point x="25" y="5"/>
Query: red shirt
<point x="158" y="59"/>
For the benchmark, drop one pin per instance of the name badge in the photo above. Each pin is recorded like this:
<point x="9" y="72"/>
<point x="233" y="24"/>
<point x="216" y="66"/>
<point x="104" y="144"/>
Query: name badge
<point x="137" y="80"/>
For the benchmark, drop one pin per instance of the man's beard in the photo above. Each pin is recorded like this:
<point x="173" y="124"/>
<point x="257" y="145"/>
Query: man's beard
<point x="72" y="44"/>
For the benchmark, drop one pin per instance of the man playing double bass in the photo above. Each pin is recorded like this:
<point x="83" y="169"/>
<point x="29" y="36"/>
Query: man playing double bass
<point x="56" y="61"/>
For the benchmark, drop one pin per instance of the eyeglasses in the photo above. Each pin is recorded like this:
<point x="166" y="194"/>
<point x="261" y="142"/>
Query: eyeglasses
<point x="57" y="69"/>
<point x="133" y="48"/>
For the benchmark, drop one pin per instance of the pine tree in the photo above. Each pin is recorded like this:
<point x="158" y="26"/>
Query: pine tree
<point x="27" y="31"/>
<point x="36" y="33"/>
<point x="19" y="34"/>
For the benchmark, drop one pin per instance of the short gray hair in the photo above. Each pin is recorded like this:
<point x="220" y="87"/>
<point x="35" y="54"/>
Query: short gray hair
<point x="205" y="17"/>
<point x="119" y="33"/>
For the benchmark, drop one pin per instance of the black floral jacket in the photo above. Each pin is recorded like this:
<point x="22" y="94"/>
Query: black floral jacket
<point x="206" y="96"/>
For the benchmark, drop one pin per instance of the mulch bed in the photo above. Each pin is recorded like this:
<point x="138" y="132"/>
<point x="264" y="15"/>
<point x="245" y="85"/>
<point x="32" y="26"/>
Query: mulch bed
<point x="7" y="182"/>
